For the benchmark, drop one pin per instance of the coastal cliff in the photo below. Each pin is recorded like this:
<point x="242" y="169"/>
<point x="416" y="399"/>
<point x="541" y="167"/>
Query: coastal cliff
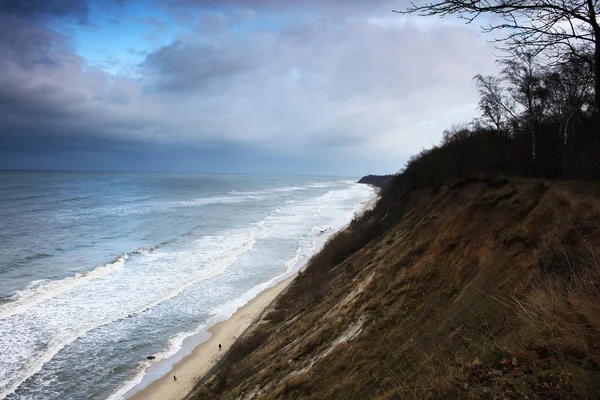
<point x="484" y="288"/>
<point x="379" y="181"/>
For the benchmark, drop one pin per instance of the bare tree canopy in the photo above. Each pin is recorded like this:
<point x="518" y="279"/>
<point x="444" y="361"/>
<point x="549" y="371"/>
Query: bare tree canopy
<point x="555" y="28"/>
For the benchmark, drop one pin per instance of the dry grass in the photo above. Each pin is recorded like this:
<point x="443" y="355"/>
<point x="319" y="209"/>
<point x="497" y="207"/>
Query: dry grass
<point x="484" y="289"/>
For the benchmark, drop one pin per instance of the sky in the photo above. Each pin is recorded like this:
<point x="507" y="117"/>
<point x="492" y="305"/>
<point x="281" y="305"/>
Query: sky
<point x="325" y="87"/>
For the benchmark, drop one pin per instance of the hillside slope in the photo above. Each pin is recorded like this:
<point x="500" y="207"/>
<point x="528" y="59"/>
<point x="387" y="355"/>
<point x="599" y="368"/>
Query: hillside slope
<point x="481" y="289"/>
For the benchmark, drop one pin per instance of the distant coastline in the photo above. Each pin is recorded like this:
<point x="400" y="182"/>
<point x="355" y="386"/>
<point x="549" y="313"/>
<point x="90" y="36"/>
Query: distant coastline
<point x="379" y="181"/>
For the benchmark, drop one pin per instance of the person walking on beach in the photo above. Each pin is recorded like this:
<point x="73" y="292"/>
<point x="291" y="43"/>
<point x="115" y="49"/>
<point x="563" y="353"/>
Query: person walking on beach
<point x="219" y="346"/>
<point x="175" y="378"/>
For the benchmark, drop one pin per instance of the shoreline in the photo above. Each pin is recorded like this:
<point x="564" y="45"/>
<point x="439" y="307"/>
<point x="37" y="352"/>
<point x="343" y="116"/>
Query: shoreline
<point x="206" y="355"/>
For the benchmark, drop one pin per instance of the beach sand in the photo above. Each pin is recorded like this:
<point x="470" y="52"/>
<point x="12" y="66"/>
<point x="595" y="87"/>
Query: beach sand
<point x="193" y="367"/>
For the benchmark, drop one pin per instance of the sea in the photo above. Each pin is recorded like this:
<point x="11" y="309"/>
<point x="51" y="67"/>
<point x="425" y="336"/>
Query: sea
<point x="100" y="270"/>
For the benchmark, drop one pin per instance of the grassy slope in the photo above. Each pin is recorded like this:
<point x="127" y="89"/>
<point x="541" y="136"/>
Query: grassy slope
<point x="483" y="289"/>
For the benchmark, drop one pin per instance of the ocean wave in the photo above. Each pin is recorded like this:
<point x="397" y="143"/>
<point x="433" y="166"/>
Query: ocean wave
<point x="244" y="241"/>
<point x="222" y="262"/>
<point x="205" y="201"/>
<point x="288" y="189"/>
<point x="325" y="184"/>
<point x="285" y="189"/>
<point x="42" y="290"/>
<point x="134" y="208"/>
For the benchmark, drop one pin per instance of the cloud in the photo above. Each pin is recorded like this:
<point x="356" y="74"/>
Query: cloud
<point x="152" y="21"/>
<point x="353" y="85"/>
<point x="184" y="67"/>
<point x="277" y="5"/>
<point x="46" y="88"/>
<point x="42" y="8"/>
<point x="35" y="62"/>
<point x="313" y="86"/>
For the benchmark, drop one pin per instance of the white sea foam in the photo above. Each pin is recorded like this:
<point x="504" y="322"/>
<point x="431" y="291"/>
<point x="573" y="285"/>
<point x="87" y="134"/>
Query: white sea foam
<point x="40" y="291"/>
<point x="205" y="201"/>
<point x="22" y="332"/>
<point x="325" y="184"/>
<point x="288" y="189"/>
<point x="278" y="190"/>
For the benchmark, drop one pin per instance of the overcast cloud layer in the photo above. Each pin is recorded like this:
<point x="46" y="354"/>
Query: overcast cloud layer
<point x="335" y="86"/>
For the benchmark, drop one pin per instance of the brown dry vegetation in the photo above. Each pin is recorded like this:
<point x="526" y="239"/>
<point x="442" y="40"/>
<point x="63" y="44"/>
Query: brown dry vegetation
<point x="486" y="288"/>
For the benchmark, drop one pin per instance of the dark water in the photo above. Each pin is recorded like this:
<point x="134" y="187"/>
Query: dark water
<point x="99" y="270"/>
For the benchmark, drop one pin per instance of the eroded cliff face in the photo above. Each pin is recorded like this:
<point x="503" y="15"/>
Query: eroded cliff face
<point x="482" y="289"/>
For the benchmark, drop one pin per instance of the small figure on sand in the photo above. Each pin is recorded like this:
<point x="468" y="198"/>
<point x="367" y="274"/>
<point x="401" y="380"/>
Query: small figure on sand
<point x="219" y="346"/>
<point x="175" y="378"/>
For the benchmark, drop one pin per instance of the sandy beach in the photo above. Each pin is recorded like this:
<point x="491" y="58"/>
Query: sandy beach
<point x="190" y="369"/>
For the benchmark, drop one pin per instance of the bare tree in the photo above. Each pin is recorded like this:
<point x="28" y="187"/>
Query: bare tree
<point x="571" y="92"/>
<point x="532" y="26"/>
<point x="524" y="77"/>
<point x="495" y="106"/>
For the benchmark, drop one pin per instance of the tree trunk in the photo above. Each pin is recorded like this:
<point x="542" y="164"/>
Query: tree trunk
<point x="596" y="28"/>
<point x="565" y="150"/>
<point x="597" y="73"/>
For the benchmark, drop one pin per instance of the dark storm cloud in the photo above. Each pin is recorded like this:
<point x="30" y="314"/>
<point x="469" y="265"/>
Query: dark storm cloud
<point x="185" y="67"/>
<point x="29" y="51"/>
<point x="42" y="8"/>
<point x="44" y="85"/>
<point x="46" y="89"/>
<point x="282" y="5"/>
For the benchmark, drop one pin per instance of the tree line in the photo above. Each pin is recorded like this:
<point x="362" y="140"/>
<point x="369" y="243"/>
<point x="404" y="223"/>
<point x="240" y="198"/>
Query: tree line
<point x="540" y="115"/>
